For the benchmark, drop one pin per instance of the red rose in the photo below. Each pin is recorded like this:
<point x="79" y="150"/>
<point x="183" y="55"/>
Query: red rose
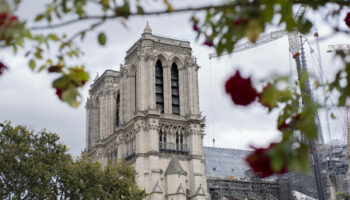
<point x="239" y="21"/>
<point x="283" y="126"/>
<point x="347" y="19"/>
<point x="3" y="67"/>
<point x="259" y="162"/>
<point x="6" y="19"/>
<point x="59" y="93"/>
<point x="195" y="27"/>
<point x="208" y="43"/>
<point x="241" y="90"/>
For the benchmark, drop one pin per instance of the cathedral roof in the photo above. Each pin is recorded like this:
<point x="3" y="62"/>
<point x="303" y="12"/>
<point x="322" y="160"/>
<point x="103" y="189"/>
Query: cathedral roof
<point x="174" y="167"/>
<point x="225" y="163"/>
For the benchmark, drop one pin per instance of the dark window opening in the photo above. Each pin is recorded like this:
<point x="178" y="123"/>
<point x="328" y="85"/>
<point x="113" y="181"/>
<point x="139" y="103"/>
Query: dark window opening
<point x="135" y="83"/>
<point x="159" y="86"/>
<point x="175" y="89"/>
<point x="117" y="108"/>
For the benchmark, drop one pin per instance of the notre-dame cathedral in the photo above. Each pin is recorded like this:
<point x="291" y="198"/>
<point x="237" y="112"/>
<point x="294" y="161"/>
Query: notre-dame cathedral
<point x="148" y="113"/>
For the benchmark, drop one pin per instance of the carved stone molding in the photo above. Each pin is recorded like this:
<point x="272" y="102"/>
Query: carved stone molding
<point x="172" y="129"/>
<point x="139" y="125"/>
<point x="172" y="48"/>
<point x="88" y="104"/>
<point x="146" y="54"/>
<point x="152" y="124"/>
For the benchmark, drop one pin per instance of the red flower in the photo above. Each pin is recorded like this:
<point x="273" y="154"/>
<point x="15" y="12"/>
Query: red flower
<point x="283" y="126"/>
<point x="208" y="43"/>
<point x="241" y="90"/>
<point x="259" y="161"/>
<point x="347" y="19"/>
<point x="296" y="54"/>
<point x="195" y="27"/>
<point x="3" y="67"/>
<point x="239" y="21"/>
<point x="59" y="93"/>
<point x="6" y="19"/>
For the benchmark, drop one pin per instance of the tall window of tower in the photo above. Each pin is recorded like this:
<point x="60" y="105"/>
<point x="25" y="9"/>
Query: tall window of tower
<point x="159" y="86"/>
<point x="175" y="90"/>
<point x="117" y="108"/>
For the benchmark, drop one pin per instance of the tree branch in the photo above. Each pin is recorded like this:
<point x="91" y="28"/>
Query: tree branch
<point x="130" y="15"/>
<point x="180" y="10"/>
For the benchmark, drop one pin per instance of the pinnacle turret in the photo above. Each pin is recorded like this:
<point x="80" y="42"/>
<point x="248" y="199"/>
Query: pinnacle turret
<point x="147" y="29"/>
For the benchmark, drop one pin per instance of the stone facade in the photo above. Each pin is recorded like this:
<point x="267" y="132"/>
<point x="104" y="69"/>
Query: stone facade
<point x="148" y="114"/>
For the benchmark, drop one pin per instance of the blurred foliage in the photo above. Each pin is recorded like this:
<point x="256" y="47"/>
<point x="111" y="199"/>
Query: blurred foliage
<point x="219" y="26"/>
<point x="37" y="166"/>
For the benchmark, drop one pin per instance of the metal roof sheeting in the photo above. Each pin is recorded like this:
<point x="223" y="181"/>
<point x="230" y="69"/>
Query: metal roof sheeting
<point x="225" y="163"/>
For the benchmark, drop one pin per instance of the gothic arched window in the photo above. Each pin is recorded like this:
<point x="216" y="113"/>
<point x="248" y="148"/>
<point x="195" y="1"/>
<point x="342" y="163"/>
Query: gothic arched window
<point x="162" y="139"/>
<point x="117" y="108"/>
<point x="175" y="89"/>
<point x="159" y="86"/>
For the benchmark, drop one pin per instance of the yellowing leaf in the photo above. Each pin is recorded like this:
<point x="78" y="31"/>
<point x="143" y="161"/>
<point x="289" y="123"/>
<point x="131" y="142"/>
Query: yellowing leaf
<point x="317" y="84"/>
<point x="253" y="30"/>
<point x="32" y="64"/>
<point x="169" y="6"/>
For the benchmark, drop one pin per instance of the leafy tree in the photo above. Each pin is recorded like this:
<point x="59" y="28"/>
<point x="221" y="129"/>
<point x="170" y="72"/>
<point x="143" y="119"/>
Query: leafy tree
<point x="37" y="166"/>
<point x="222" y="26"/>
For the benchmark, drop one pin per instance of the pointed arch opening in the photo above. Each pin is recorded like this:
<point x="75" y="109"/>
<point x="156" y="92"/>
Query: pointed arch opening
<point x="175" y="95"/>
<point x="159" y="86"/>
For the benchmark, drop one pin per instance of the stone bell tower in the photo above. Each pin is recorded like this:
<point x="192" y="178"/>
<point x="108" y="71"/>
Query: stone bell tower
<point x="148" y="114"/>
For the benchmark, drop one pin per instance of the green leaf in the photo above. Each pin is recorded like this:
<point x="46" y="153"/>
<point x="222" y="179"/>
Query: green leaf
<point x="53" y="37"/>
<point x="39" y="17"/>
<point x="41" y="68"/>
<point x="333" y="116"/>
<point x="82" y="35"/>
<point x="61" y="82"/>
<point x="276" y="163"/>
<point x="102" y="38"/>
<point x="140" y="10"/>
<point x="32" y="64"/>
<point x="70" y="96"/>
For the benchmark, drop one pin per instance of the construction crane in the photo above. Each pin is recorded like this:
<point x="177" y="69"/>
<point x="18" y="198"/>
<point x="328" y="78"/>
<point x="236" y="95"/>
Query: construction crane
<point x="339" y="47"/>
<point x="297" y="50"/>
<point x="293" y="38"/>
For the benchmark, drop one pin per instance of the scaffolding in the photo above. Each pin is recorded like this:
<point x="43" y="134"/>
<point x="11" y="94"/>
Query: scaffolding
<point x="243" y="189"/>
<point x="333" y="165"/>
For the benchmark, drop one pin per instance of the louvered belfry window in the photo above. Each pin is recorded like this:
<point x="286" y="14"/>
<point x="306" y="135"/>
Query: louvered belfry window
<point x="175" y="97"/>
<point x="159" y="86"/>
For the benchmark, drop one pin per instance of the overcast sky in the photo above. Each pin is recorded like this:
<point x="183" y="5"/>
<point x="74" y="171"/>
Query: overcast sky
<point x="27" y="97"/>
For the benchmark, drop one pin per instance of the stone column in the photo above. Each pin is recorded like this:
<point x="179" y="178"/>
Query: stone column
<point x="196" y="91"/>
<point x="88" y="108"/>
<point x="167" y="89"/>
<point x="190" y="87"/>
<point x="182" y="90"/>
<point x="151" y="84"/>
